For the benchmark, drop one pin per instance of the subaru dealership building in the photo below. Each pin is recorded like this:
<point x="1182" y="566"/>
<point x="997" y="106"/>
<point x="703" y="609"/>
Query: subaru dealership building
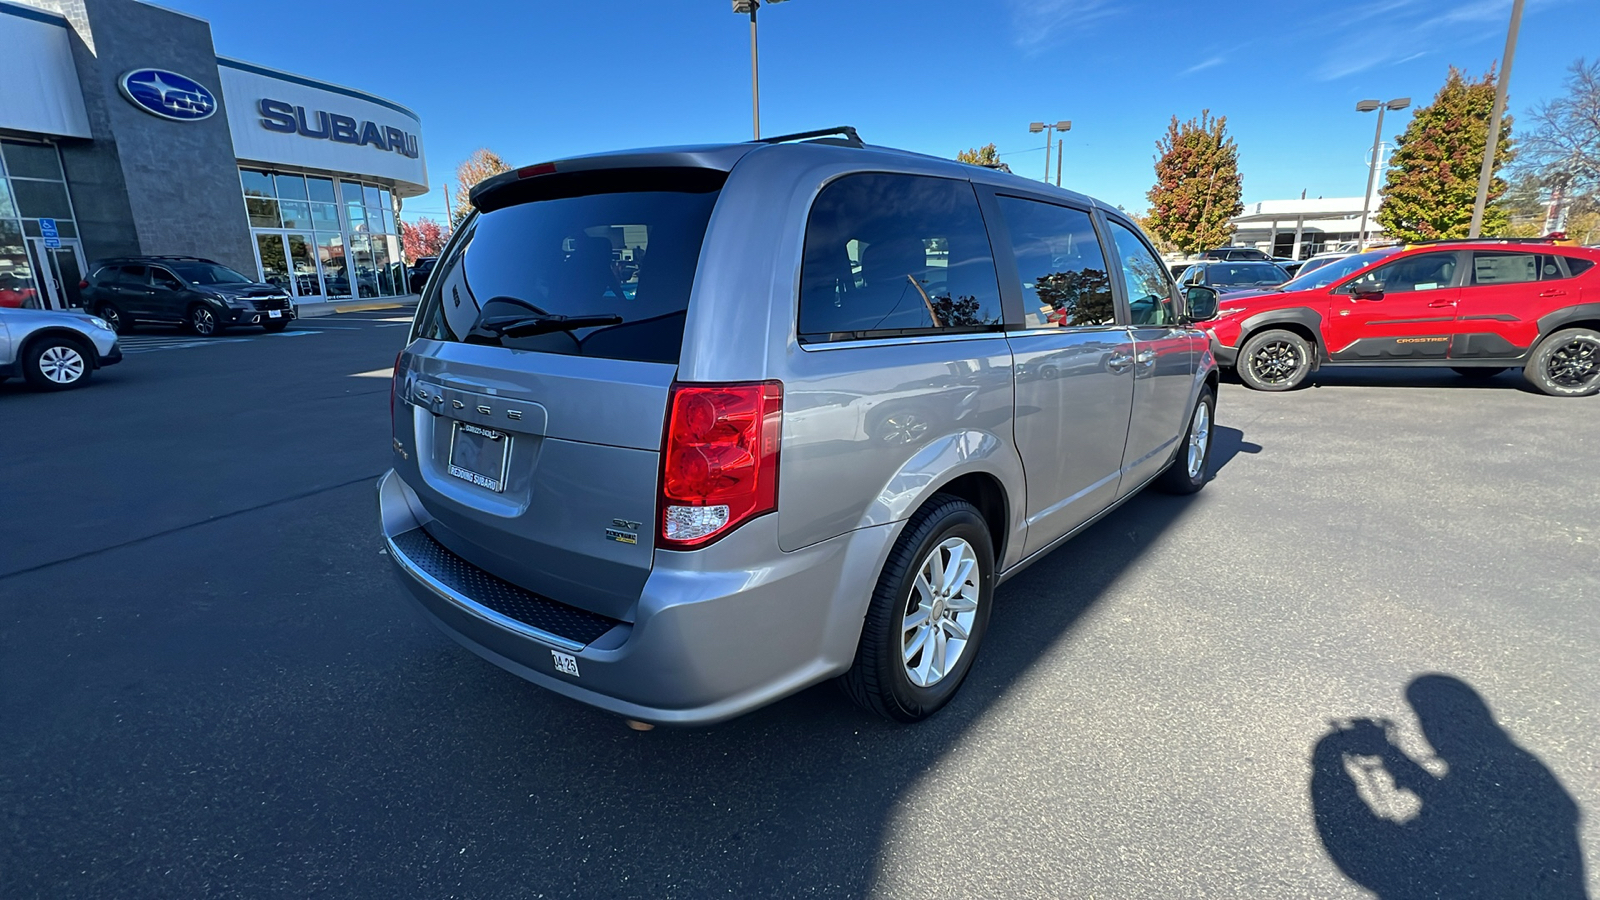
<point x="122" y="132"/>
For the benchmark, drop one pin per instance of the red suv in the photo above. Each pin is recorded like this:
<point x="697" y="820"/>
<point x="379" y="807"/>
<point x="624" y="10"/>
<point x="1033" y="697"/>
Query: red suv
<point x="1479" y="307"/>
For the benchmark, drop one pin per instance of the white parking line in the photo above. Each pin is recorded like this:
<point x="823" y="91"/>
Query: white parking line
<point x="375" y="373"/>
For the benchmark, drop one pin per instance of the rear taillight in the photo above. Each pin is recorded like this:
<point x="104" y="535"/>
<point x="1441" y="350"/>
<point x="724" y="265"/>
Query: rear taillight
<point x="394" y="387"/>
<point x="719" y="463"/>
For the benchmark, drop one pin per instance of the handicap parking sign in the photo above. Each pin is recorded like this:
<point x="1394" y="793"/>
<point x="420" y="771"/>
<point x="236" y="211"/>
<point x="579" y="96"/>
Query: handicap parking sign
<point x="47" y="229"/>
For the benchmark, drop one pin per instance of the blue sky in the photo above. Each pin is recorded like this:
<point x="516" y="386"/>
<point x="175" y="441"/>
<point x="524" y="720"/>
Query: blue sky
<point x="541" y="80"/>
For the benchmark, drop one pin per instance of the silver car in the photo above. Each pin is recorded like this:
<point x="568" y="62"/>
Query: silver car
<point x="680" y="432"/>
<point x="54" y="350"/>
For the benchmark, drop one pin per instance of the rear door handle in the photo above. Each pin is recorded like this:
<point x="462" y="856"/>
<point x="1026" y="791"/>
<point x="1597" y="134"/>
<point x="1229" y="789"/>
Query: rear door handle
<point x="1440" y="304"/>
<point x="1146" y="358"/>
<point x="1119" y="363"/>
<point x="1553" y="293"/>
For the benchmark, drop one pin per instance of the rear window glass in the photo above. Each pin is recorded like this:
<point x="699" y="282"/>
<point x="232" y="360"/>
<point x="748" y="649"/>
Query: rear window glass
<point x="628" y="255"/>
<point x="1578" y="266"/>
<point x="890" y="255"/>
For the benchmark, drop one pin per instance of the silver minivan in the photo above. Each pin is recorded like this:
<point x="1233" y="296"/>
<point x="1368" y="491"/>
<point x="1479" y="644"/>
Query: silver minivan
<point x="679" y="432"/>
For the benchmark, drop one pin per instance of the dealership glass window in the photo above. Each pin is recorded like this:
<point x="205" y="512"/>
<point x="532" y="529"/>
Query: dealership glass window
<point x="41" y="199"/>
<point x="25" y="160"/>
<point x="8" y="210"/>
<point x="296" y="214"/>
<point x="321" y="189"/>
<point x="290" y="187"/>
<point x="325" y="216"/>
<point x="17" y="288"/>
<point x="257" y="184"/>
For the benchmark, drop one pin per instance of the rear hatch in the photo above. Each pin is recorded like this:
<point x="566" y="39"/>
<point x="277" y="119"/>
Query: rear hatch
<point x="538" y="438"/>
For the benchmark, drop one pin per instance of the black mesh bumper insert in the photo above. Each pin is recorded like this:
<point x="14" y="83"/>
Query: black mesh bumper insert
<point x="498" y="594"/>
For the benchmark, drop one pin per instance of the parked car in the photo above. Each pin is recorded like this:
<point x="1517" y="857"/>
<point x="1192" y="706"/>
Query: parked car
<point x="420" y="271"/>
<point x="1251" y="254"/>
<point x="963" y="376"/>
<point x="1478" y="307"/>
<point x="202" y="295"/>
<point x="1228" y="277"/>
<point x="1321" y="259"/>
<point x="54" y="349"/>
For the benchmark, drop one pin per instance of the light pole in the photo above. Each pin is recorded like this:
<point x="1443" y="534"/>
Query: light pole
<point x="1500" y="86"/>
<point x="1047" y="128"/>
<point x="741" y="7"/>
<point x="1381" y="106"/>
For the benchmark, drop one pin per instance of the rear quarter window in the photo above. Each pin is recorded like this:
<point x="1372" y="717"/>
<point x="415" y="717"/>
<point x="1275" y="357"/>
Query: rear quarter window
<point x="896" y="255"/>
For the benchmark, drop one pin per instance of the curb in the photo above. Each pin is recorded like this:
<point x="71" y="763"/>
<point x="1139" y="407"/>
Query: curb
<point x="328" y="308"/>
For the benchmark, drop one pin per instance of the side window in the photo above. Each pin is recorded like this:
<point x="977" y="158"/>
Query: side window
<point x="1064" y="277"/>
<point x="1149" y="291"/>
<point x="133" y="275"/>
<point x="1192" y="275"/>
<point x="1510" y="268"/>
<point x="1425" y="272"/>
<point x="161" y="278"/>
<point x="896" y="255"/>
<point x="1576" y="266"/>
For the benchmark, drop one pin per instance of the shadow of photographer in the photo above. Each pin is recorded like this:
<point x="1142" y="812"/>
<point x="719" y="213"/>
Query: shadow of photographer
<point x="1491" y="821"/>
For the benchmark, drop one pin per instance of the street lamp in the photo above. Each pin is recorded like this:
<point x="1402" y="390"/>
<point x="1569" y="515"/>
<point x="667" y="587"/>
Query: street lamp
<point x="1381" y="106"/>
<point x="1504" y="81"/>
<point x="741" y="7"/>
<point x="1047" y="128"/>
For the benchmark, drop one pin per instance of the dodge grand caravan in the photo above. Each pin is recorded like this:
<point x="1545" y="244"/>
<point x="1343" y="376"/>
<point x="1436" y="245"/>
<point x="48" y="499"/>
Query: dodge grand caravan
<point x="679" y="432"/>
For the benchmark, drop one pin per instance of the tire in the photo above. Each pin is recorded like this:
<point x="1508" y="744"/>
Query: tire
<point x="114" y="317"/>
<point x="203" y="321"/>
<point x="1191" y="467"/>
<point x="1274" y="360"/>
<point x="1483" y="373"/>
<point x="882" y="679"/>
<point x="273" y="326"/>
<point x="1566" y="363"/>
<point x="56" y="364"/>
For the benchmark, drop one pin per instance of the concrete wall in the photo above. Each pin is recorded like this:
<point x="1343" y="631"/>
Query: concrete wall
<point x="163" y="187"/>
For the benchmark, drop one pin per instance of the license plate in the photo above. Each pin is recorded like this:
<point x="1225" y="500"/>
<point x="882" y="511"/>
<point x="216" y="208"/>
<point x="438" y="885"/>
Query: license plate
<point x="479" y="455"/>
<point x="274" y="313"/>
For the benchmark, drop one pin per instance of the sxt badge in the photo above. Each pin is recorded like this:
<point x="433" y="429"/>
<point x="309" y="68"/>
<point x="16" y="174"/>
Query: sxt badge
<point x="566" y="663"/>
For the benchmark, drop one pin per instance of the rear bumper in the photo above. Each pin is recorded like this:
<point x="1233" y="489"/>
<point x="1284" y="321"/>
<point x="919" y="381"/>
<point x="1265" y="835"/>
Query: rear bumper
<point x="716" y="633"/>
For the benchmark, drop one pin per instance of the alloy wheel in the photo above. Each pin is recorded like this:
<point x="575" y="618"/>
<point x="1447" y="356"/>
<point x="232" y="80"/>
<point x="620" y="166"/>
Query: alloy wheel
<point x="112" y="317"/>
<point x="940" y="612"/>
<point x="204" y="322"/>
<point x="1276" y="362"/>
<point x="1575" y="364"/>
<point x="62" y="365"/>
<point x="1199" y="439"/>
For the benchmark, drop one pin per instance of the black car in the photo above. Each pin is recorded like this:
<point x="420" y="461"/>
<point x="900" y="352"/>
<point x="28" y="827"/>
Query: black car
<point x="1251" y="254"/>
<point x="420" y="270"/>
<point x="202" y="295"/>
<point x="1227" y="276"/>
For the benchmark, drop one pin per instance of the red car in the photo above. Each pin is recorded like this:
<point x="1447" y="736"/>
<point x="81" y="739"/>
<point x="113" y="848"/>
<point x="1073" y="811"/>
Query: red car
<point x="1479" y="307"/>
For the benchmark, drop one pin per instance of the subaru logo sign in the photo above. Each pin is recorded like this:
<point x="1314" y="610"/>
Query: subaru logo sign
<point x="168" y="95"/>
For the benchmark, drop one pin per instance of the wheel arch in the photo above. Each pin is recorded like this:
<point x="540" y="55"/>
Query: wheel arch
<point x="1584" y="315"/>
<point x="80" y="341"/>
<point x="983" y="490"/>
<point x="1303" y="321"/>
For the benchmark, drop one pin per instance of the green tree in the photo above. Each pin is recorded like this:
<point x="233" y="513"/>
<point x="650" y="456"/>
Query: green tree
<point x="1197" y="187"/>
<point x="483" y="163"/>
<point x="986" y="156"/>
<point x="1433" y="175"/>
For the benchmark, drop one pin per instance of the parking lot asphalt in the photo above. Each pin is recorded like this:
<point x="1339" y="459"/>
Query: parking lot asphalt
<point x="211" y="686"/>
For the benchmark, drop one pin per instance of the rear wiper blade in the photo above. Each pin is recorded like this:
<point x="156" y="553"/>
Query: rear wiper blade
<point x="536" y="324"/>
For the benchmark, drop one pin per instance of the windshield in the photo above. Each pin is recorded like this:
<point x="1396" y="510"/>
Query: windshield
<point x="1235" y="274"/>
<point x="1336" y="270"/>
<point x="208" y="273"/>
<point x="628" y="255"/>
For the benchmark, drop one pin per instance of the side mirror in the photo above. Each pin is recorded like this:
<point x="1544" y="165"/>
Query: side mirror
<point x="1201" y="302"/>
<point x="1371" y="291"/>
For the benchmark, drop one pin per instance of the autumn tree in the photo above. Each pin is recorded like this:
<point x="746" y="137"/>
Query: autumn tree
<point x="986" y="156"/>
<point x="425" y="238"/>
<point x="483" y="163"/>
<point x="1433" y="175"/>
<point x="1197" y="187"/>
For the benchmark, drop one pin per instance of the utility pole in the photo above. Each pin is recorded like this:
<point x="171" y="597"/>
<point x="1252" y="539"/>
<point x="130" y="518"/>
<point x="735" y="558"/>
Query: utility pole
<point x="1048" y="128"/>
<point x="742" y="7"/>
<point x="1487" y="173"/>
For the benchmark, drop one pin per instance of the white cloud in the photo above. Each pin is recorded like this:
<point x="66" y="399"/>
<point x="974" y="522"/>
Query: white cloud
<point x="1039" y="23"/>
<point x="1203" y="65"/>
